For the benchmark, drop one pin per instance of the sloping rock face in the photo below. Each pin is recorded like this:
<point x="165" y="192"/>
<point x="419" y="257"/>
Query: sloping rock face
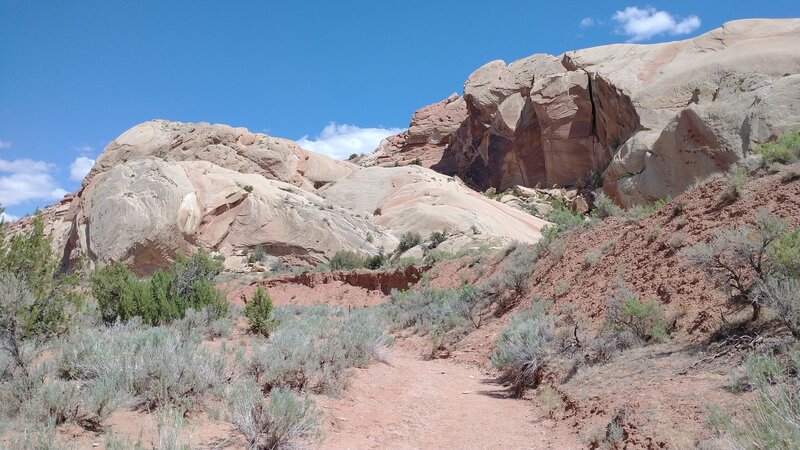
<point x="429" y="132"/>
<point x="236" y="149"/>
<point x="167" y="187"/>
<point x="650" y="118"/>
<point x="415" y="199"/>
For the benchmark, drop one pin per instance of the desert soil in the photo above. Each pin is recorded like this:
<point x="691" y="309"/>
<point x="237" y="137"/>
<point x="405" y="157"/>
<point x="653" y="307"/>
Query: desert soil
<point x="408" y="402"/>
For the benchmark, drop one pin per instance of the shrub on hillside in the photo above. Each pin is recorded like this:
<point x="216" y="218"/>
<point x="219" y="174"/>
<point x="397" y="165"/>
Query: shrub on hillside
<point x="605" y="207"/>
<point x="257" y="255"/>
<point x="346" y="260"/>
<point x="187" y="283"/>
<point x="645" y="320"/>
<point x="736" y="258"/>
<point x="408" y="241"/>
<point x="375" y="262"/>
<point x="284" y="421"/>
<point x="784" y="150"/>
<point x="258" y="312"/>
<point x="436" y="238"/>
<point x="524" y="347"/>
<point x="734" y="185"/>
<point x="43" y="297"/>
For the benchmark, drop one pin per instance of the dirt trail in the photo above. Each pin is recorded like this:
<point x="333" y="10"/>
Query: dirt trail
<point x="412" y="403"/>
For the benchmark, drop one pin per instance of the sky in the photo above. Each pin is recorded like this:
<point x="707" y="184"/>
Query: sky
<point x="335" y="76"/>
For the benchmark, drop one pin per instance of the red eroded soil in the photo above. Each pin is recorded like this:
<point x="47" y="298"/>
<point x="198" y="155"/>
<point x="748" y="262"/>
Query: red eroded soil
<point x="341" y="288"/>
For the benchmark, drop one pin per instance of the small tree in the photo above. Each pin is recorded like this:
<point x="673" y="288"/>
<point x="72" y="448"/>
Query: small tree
<point x="408" y="241"/>
<point x="737" y="258"/>
<point x="259" y="313"/>
<point x="346" y="260"/>
<point x="436" y="238"/>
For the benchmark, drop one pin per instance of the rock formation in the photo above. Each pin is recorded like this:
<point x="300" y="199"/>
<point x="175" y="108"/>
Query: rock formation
<point x="166" y="187"/>
<point x="650" y="118"/>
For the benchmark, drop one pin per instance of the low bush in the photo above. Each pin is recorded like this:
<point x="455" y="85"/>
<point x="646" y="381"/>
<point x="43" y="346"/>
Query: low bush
<point x="155" y="366"/>
<point x="784" y="150"/>
<point x="518" y="267"/>
<point x="258" y="312"/>
<point x="188" y="283"/>
<point x="284" y="421"/>
<point x="772" y="416"/>
<point x="524" y="347"/>
<point x="436" y="238"/>
<point x="734" y="185"/>
<point x="375" y="262"/>
<point x="346" y="260"/>
<point x="736" y="259"/>
<point x="257" y="255"/>
<point x="605" y="207"/>
<point x="313" y="348"/>
<point x="408" y="241"/>
<point x="645" y="320"/>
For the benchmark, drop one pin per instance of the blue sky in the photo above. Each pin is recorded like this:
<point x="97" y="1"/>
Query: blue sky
<point x="336" y="75"/>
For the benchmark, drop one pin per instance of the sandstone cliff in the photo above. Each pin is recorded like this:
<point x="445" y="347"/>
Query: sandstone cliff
<point x="650" y="118"/>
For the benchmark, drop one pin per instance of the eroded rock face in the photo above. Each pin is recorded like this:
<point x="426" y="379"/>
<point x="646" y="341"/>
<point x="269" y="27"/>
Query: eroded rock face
<point x="168" y="187"/>
<point x="425" y="139"/>
<point x="415" y="199"/>
<point x="651" y="118"/>
<point x="236" y="149"/>
<point x="144" y="211"/>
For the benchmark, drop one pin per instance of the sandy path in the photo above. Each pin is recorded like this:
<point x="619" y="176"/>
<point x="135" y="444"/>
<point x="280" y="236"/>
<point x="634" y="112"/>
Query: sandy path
<point x="411" y="403"/>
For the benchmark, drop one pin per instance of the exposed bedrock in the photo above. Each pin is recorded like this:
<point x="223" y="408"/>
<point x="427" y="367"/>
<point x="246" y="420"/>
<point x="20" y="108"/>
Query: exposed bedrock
<point x="651" y="118"/>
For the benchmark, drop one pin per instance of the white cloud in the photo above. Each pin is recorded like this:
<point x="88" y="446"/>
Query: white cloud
<point x="641" y="24"/>
<point x="83" y="149"/>
<point x="8" y="217"/>
<point x="5" y="144"/>
<point x="340" y="141"/>
<point x="587" y="22"/>
<point x="28" y="180"/>
<point x="80" y="167"/>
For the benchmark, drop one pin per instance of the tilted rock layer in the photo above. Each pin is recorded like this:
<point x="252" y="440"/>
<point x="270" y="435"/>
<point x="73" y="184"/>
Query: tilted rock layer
<point x="650" y="118"/>
<point x="166" y="187"/>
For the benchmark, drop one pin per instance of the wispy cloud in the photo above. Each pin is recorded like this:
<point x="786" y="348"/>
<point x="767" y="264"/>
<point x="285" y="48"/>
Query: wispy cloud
<point x="8" y="217"/>
<point x="83" y="149"/>
<point x="641" y="24"/>
<point x="340" y="140"/>
<point x="5" y="144"/>
<point x="80" y="167"/>
<point x="587" y="22"/>
<point x="27" y="180"/>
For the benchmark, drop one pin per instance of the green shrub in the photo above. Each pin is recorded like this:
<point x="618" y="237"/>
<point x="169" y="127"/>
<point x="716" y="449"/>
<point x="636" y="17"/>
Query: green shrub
<point x="518" y="267"/>
<point x="314" y="347"/>
<point x="639" y="212"/>
<point x="285" y="421"/>
<point x="734" y="185"/>
<point x="784" y="254"/>
<point x="375" y="262"/>
<point x="28" y="258"/>
<point x="165" y="297"/>
<point x="346" y="260"/>
<point x="736" y="258"/>
<point x="605" y="207"/>
<point x="775" y="411"/>
<point x="352" y="156"/>
<point x="248" y="188"/>
<point x="258" y="312"/>
<point x="644" y="319"/>
<point x="415" y="162"/>
<point x="524" y="347"/>
<point x="408" y="241"/>
<point x="436" y="238"/>
<point x="257" y="255"/>
<point x="785" y="150"/>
